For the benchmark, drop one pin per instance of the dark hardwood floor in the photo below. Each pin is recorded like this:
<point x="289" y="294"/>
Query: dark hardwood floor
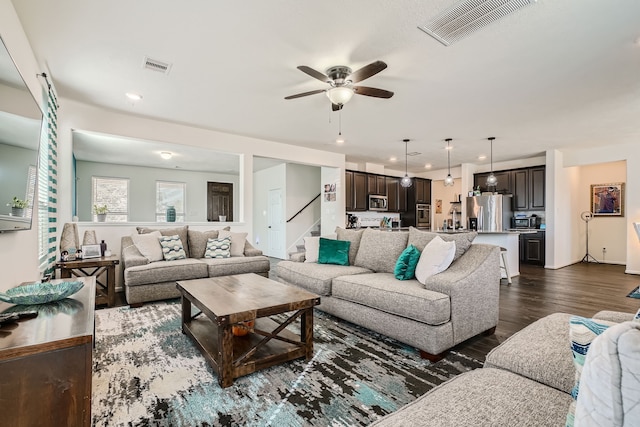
<point x="582" y="289"/>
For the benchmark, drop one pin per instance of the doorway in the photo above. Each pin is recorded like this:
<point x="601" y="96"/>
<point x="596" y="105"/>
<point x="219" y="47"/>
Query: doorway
<point x="275" y="224"/>
<point x="219" y="201"/>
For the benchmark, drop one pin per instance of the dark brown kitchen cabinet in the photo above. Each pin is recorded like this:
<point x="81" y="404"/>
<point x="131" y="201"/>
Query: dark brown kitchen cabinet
<point x="349" y="202"/>
<point x="393" y="190"/>
<point x="422" y="190"/>
<point x="537" y="187"/>
<point x="520" y="189"/>
<point x="376" y="184"/>
<point x="360" y="191"/>
<point x="502" y="187"/>
<point x="532" y="248"/>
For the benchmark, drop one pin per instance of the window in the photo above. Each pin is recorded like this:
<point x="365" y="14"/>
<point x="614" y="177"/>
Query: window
<point x="113" y="192"/>
<point x="31" y="190"/>
<point x="170" y="194"/>
<point x="43" y="198"/>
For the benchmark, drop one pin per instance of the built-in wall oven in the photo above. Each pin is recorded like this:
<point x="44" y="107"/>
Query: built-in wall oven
<point x="423" y="215"/>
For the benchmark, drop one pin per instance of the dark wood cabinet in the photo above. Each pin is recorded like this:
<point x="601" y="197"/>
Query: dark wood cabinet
<point x="422" y="190"/>
<point x="360" y="191"/>
<point x="349" y="202"/>
<point x="502" y="187"/>
<point x="393" y="193"/>
<point x="532" y="248"/>
<point x="520" y="189"/>
<point x="537" y="177"/>
<point x="376" y="184"/>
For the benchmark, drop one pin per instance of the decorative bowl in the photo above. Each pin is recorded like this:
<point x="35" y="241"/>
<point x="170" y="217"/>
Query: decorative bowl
<point x="40" y="293"/>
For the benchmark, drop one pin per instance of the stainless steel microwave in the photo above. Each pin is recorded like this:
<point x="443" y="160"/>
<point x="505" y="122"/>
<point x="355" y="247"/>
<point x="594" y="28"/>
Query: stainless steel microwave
<point x="378" y="202"/>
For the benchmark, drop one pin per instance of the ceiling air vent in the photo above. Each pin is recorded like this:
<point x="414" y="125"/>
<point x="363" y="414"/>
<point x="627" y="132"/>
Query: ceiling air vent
<point x="155" y="65"/>
<point x="413" y="153"/>
<point x="469" y="16"/>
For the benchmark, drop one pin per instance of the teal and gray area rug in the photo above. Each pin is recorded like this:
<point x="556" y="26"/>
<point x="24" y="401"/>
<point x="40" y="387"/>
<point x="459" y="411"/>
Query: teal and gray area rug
<point x="147" y="373"/>
<point x="634" y="293"/>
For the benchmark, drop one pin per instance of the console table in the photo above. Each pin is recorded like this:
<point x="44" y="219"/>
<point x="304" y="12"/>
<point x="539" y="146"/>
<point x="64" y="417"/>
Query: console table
<point x="94" y="267"/>
<point x="45" y="363"/>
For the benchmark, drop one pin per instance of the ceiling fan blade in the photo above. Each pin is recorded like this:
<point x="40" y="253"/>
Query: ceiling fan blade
<point x="315" y="74"/>
<point x="336" y="107"/>
<point x="372" y="91"/>
<point x="300" y="95"/>
<point x="367" y="71"/>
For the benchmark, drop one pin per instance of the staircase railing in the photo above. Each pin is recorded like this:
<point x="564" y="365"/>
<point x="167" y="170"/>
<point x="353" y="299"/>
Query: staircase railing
<point x="304" y="207"/>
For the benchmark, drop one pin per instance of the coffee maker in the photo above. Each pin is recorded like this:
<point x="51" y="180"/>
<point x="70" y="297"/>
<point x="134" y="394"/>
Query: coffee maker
<point x="352" y="221"/>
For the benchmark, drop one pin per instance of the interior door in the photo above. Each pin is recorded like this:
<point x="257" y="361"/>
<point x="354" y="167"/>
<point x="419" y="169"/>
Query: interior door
<point x="275" y="224"/>
<point x="219" y="201"/>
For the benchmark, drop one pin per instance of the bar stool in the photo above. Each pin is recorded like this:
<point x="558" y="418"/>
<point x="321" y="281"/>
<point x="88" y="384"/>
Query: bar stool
<point x="505" y="264"/>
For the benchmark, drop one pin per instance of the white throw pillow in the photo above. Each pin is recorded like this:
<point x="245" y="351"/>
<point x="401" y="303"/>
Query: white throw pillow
<point x="149" y="245"/>
<point x="237" y="241"/>
<point x="435" y="258"/>
<point x="312" y="246"/>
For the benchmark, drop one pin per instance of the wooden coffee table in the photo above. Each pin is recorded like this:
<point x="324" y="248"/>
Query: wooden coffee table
<point x="228" y="300"/>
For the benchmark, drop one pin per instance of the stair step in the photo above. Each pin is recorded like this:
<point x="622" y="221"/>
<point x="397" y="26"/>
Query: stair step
<point x="315" y="233"/>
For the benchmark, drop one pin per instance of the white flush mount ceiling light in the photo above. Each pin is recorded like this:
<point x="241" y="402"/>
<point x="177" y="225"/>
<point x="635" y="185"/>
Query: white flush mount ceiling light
<point x="340" y="95"/>
<point x="448" y="181"/>
<point x="133" y="96"/>
<point x="468" y="16"/>
<point x="166" y="155"/>
<point x="492" y="181"/>
<point x="406" y="181"/>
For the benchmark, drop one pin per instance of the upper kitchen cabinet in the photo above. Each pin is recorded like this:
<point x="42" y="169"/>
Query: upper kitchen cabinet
<point x="422" y="190"/>
<point x="356" y="191"/>
<point x="537" y="187"/>
<point x="376" y="184"/>
<point x="520" y="189"/>
<point x="502" y="187"/>
<point x="527" y="186"/>
<point x="396" y="194"/>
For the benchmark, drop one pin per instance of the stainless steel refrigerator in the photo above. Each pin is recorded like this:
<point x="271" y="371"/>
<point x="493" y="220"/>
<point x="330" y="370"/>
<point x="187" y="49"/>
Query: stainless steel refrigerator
<point x="491" y="213"/>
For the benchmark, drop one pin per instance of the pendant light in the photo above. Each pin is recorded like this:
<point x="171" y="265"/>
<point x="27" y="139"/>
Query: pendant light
<point x="448" y="181"/>
<point x="492" y="181"/>
<point x="406" y="181"/>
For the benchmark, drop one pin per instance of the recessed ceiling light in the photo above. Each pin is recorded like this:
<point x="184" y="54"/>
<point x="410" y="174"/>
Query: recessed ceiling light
<point x="340" y="140"/>
<point x="133" y="96"/>
<point x="166" y="155"/>
<point x="427" y="166"/>
<point x="482" y="157"/>
<point x="393" y="159"/>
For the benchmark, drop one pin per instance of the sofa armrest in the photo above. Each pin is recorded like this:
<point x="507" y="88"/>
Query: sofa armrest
<point x="473" y="285"/>
<point x="297" y="256"/>
<point x="130" y="255"/>
<point x="613" y="316"/>
<point x="250" y="250"/>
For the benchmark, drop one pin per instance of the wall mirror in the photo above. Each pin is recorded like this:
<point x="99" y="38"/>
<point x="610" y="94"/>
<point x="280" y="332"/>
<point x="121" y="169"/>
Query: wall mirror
<point x="139" y="179"/>
<point x="20" y="129"/>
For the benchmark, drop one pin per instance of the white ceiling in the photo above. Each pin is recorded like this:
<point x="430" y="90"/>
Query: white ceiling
<point x="558" y="74"/>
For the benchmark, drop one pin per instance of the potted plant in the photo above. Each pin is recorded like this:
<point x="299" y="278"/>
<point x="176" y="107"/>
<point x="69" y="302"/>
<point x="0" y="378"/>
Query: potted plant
<point x="18" y="206"/>
<point x="101" y="212"/>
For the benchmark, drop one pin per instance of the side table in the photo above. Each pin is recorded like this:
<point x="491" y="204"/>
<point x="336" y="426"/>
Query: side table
<point x="95" y="267"/>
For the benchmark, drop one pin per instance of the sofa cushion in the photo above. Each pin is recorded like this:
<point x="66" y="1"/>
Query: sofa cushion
<point x="610" y="384"/>
<point x="354" y="236"/>
<point x="383" y="291"/>
<point x="435" y="258"/>
<point x="149" y="245"/>
<point x="165" y="271"/>
<point x="540" y="352"/>
<point x="315" y="278"/>
<point x="237" y="241"/>
<point x="312" y="246"/>
<point x="218" y="248"/>
<point x="406" y="265"/>
<point x="182" y="232"/>
<point x="379" y="250"/>
<point x="172" y="248"/>
<point x="237" y="265"/>
<point x="198" y="241"/>
<point x="483" y="397"/>
<point x="420" y="239"/>
<point x="333" y="251"/>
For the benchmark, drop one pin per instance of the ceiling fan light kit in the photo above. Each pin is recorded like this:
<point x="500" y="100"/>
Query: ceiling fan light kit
<point x="339" y="95"/>
<point x="448" y="181"/>
<point x="406" y="181"/>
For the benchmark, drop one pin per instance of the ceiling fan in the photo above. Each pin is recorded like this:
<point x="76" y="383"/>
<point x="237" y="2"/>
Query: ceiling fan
<point x="341" y="80"/>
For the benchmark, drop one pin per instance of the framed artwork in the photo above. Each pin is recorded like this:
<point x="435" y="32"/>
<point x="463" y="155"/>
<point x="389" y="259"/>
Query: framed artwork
<point x="607" y="199"/>
<point x="90" y="251"/>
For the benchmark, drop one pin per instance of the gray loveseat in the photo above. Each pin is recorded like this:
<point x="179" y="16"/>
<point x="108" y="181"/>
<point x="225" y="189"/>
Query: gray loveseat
<point x="449" y="308"/>
<point x="151" y="281"/>
<point x="527" y="381"/>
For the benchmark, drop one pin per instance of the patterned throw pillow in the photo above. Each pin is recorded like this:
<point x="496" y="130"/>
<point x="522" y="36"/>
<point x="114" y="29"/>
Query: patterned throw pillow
<point x="172" y="248"/>
<point x="218" y="248"/>
<point x="582" y="332"/>
<point x="637" y="316"/>
<point x="406" y="264"/>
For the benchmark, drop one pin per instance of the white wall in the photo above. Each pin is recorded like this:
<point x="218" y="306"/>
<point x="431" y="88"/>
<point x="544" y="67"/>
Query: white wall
<point x="142" y="189"/>
<point x="264" y="181"/>
<point x="333" y="213"/>
<point x="303" y="184"/>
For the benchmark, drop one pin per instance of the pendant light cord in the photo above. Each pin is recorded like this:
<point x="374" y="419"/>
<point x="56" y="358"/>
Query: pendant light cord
<point x="405" y="156"/>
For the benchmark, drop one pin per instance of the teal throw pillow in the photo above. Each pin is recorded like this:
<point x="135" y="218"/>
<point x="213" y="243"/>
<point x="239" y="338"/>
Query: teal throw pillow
<point x="334" y="251"/>
<point x="172" y="248"/>
<point x="406" y="264"/>
<point x="218" y="248"/>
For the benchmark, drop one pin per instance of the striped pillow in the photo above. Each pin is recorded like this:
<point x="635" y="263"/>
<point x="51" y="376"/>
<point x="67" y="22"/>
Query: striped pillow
<point x="172" y="248"/>
<point x="218" y="248"/>
<point x="582" y="332"/>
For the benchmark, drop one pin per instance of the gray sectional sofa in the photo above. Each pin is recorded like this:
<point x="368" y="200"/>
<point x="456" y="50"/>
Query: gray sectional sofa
<point x="151" y="281"/>
<point x="527" y="381"/>
<point x="449" y="308"/>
